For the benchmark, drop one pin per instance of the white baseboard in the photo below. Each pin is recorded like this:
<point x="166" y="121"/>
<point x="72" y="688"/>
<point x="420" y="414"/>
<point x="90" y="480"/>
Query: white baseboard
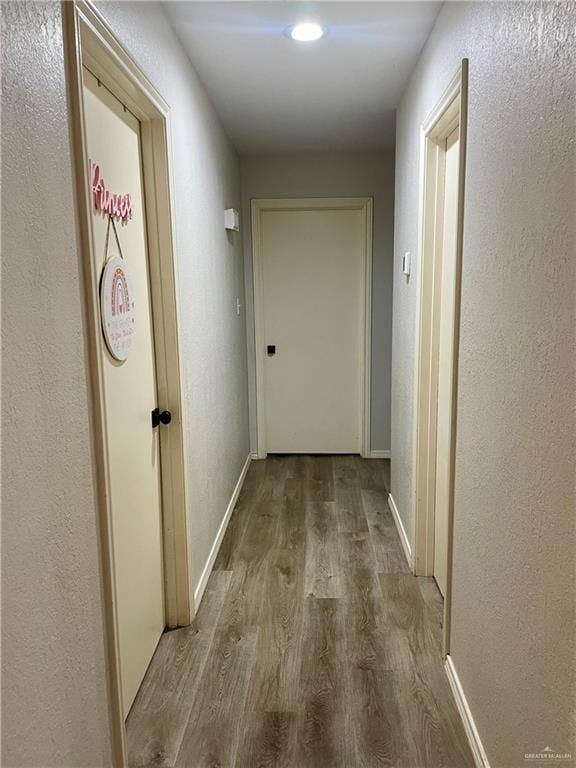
<point x="405" y="541"/>
<point x="199" y="591"/>
<point x="480" y="758"/>
<point x="379" y="455"/>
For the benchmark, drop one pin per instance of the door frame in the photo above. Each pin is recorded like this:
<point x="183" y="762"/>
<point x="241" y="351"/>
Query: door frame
<point x="449" y="113"/>
<point x="262" y="205"/>
<point x="90" y="42"/>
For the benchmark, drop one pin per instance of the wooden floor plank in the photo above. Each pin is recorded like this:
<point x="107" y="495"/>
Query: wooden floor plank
<point x="314" y="647"/>
<point x="324" y="728"/>
<point x="429" y="720"/>
<point x="365" y="633"/>
<point x="157" y="721"/>
<point x="269" y="741"/>
<point x="292" y="525"/>
<point x="375" y="711"/>
<point x="375" y="506"/>
<point x="274" y="683"/>
<point x="249" y="495"/>
<point x="345" y="471"/>
<point x="356" y="551"/>
<point x="275" y="474"/>
<point x="390" y="557"/>
<point x="323" y="573"/>
<point x="428" y="716"/>
<point x="434" y="605"/>
<point x="297" y="466"/>
<point x="320" y="478"/>
<point x="251" y="562"/>
<point x="411" y="638"/>
<point x="373" y="474"/>
<point x="347" y="495"/>
<point x="213" y="732"/>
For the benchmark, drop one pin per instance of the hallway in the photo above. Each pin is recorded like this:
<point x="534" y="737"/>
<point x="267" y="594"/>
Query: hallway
<point x="313" y="646"/>
<point x="288" y="345"/>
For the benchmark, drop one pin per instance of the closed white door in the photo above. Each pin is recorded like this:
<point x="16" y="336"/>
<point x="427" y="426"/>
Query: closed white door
<point x="313" y="283"/>
<point x="113" y="136"/>
<point x="445" y="361"/>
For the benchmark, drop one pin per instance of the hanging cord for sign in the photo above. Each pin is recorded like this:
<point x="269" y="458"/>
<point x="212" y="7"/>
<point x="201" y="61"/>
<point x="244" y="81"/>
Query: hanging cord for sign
<point x="111" y="220"/>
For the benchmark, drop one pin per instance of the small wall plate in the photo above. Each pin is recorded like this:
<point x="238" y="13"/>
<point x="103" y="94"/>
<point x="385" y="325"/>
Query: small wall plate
<point x="232" y="219"/>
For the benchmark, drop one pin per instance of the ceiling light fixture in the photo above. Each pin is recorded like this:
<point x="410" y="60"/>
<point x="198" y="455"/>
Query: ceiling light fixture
<point x="306" y="32"/>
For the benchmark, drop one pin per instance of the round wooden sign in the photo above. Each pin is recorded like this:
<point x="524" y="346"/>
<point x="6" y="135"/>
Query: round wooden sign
<point x="117" y="307"/>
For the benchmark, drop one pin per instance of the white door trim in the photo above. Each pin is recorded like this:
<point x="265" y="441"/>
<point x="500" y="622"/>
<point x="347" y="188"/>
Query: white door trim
<point x="449" y="113"/>
<point x="90" y="42"/>
<point x="260" y="206"/>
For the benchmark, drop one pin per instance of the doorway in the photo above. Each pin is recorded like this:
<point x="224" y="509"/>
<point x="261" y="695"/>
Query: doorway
<point x="312" y="275"/>
<point x="120" y="126"/>
<point x="447" y="269"/>
<point x="443" y="157"/>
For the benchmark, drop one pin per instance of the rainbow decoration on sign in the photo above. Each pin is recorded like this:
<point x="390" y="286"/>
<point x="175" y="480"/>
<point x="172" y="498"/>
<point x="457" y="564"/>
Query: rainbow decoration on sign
<point x="119" y="293"/>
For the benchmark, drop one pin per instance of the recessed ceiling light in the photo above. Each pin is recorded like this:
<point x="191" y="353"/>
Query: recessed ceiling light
<point x="306" y="32"/>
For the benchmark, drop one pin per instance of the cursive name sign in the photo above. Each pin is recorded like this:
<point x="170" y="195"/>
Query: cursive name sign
<point x="106" y="201"/>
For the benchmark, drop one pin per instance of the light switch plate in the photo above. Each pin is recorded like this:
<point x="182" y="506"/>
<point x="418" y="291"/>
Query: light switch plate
<point x="406" y="263"/>
<point x="232" y="219"/>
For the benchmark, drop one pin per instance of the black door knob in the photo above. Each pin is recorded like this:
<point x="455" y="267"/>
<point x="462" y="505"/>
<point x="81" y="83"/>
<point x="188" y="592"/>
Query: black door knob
<point x="164" y="417"/>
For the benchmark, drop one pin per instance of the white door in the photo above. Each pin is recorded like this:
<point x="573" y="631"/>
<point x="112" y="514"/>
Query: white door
<point x="113" y="137"/>
<point x="445" y="361"/>
<point x="312" y="263"/>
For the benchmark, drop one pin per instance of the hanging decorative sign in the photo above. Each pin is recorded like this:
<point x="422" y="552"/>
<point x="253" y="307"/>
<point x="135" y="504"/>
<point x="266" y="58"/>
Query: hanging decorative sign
<point x="106" y="201"/>
<point x="117" y="308"/>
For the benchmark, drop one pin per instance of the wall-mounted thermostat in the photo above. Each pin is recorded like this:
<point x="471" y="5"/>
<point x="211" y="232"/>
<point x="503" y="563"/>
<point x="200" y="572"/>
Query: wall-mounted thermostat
<point x="232" y="219"/>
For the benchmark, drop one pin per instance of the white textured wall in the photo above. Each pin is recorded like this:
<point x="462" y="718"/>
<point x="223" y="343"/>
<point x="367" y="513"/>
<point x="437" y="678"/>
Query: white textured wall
<point x="206" y="181"/>
<point x="513" y="620"/>
<point x="332" y="174"/>
<point x="54" y="698"/>
<point x="54" y="709"/>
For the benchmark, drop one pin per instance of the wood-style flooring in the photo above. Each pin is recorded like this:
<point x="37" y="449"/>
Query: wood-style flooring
<point x="314" y="646"/>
